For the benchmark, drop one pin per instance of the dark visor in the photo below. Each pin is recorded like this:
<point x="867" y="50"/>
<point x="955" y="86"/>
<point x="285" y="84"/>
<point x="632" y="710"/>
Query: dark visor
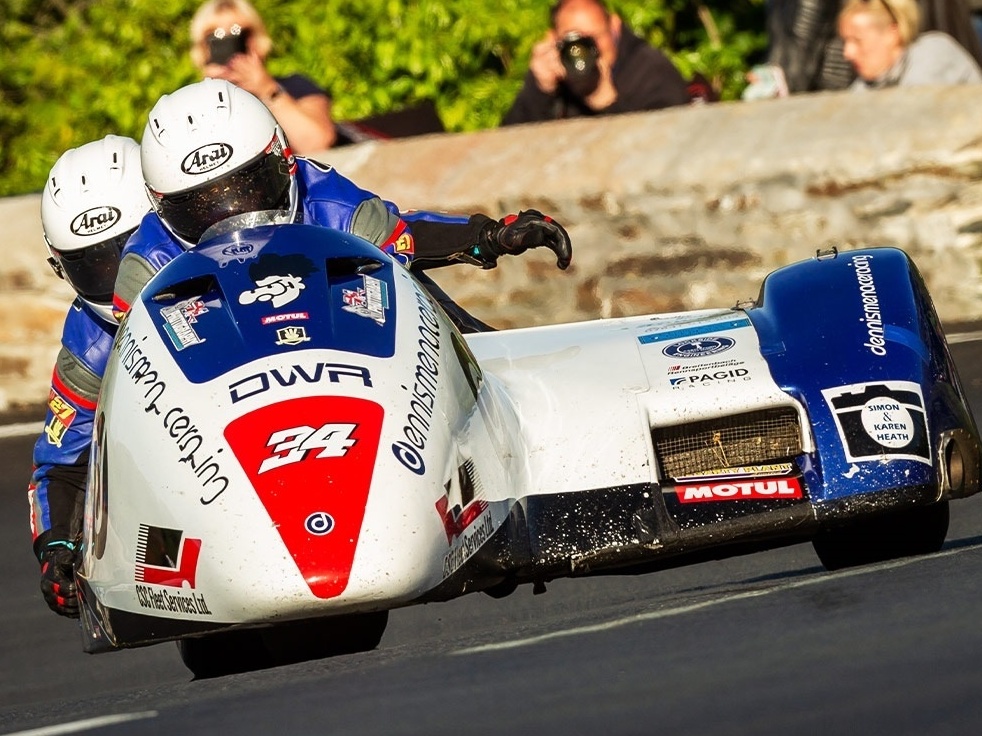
<point x="261" y="184"/>
<point x="92" y="270"/>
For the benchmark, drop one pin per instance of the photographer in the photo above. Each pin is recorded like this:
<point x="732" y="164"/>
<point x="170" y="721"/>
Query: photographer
<point x="590" y="63"/>
<point x="229" y="41"/>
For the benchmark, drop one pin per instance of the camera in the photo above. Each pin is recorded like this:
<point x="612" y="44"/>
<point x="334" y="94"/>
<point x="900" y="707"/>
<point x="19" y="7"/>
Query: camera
<point x="223" y="45"/>
<point x="579" y="55"/>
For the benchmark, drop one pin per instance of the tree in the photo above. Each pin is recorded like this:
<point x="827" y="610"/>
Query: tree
<point x="71" y="72"/>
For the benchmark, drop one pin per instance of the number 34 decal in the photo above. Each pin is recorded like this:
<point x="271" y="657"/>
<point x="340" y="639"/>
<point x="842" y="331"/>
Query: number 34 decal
<point x="293" y="445"/>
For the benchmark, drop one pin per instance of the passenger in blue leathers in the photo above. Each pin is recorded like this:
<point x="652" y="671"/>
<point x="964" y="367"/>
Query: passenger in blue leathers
<point x="92" y="202"/>
<point x="211" y="151"/>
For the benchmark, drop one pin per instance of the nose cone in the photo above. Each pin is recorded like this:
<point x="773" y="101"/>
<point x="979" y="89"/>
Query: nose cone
<point x="311" y="461"/>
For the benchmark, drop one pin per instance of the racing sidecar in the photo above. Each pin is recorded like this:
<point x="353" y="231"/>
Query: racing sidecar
<point x="292" y="439"/>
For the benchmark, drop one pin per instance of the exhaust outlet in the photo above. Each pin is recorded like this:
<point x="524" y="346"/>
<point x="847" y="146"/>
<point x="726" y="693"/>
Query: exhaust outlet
<point x="958" y="459"/>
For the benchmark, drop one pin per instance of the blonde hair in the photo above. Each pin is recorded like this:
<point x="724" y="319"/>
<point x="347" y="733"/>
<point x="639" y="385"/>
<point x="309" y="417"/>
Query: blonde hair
<point x="904" y="13"/>
<point x="203" y="23"/>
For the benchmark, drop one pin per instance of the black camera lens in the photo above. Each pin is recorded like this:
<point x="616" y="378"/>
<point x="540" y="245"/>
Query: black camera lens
<point x="223" y="45"/>
<point x="579" y="55"/>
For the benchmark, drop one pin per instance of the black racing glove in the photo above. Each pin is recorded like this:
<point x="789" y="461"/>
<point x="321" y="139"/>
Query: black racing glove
<point x="515" y="234"/>
<point x="58" y="577"/>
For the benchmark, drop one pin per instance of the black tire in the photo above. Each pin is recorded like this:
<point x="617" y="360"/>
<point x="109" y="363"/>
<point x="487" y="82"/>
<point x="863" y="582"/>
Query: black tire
<point x="229" y="652"/>
<point x="916" y="531"/>
<point x="224" y="653"/>
<point x="300" y="641"/>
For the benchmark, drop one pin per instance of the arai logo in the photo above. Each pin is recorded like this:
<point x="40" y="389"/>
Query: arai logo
<point x="95" y="220"/>
<point x="698" y="347"/>
<point x="207" y="158"/>
<point x="238" y="250"/>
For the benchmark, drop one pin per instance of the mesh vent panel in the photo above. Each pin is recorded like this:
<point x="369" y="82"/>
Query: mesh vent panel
<point x="755" y="438"/>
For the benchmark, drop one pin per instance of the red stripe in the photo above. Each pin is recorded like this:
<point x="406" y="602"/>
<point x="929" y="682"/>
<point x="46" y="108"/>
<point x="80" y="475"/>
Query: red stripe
<point x="67" y="393"/>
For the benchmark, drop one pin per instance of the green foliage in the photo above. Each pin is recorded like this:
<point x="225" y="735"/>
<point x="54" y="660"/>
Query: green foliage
<point x="73" y="72"/>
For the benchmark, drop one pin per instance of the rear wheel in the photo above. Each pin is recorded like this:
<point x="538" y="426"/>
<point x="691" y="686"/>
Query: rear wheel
<point x="915" y="531"/>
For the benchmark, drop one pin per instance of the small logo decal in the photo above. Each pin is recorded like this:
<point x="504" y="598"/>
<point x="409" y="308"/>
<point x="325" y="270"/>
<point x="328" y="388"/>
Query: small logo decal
<point x="880" y="421"/>
<point x="62" y="416"/>
<point x="178" y="320"/>
<point x="292" y="335"/>
<point x="698" y="347"/>
<point x="273" y="319"/>
<point x="277" y="290"/>
<point x="95" y="220"/>
<point x="370" y="300"/>
<point x="166" y="557"/>
<point x="319" y="523"/>
<point x="207" y="158"/>
<point x="740" y="490"/>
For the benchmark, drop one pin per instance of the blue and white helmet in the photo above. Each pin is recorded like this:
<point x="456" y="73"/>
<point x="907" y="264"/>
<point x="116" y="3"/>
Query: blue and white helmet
<point x="93" y="200"/>
<point x="212" y="151"/>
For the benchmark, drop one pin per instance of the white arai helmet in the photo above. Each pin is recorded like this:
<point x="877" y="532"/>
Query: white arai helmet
<point x="212" y="151"/>
<point x="93" y="200"/>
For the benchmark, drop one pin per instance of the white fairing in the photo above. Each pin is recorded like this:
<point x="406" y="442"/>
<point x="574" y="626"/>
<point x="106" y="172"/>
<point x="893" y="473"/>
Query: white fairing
<point x="591" y="392"/>
<point x="182" y="524"/>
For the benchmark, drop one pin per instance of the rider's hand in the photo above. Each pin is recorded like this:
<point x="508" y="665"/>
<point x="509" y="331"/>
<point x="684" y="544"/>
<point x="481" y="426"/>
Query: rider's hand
<point x="515" y="234"/>
<point x="58" y="577"/>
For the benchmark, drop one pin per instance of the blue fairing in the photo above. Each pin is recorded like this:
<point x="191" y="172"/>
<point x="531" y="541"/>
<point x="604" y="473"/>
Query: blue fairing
<point x="856" y="339"/>
<point x="269" y="290"/>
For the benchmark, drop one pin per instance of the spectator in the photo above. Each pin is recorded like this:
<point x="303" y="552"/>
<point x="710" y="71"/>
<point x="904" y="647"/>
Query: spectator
<point x="805" y="48"/>
<point x="211" y="151"/>
<point x="229" y="41"/>
<point x="590" y="63"/>
<point x="881" y="41"/>
<point x="954" y="17"/>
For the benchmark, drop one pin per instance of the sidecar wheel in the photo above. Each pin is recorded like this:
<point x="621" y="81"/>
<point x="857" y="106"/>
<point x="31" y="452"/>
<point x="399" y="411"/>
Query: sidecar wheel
<point x="224" y="653"/>
<point x="916" y="531"/>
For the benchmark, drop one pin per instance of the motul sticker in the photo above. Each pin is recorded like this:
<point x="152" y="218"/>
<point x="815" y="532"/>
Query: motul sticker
<point x="310" y="462"/>
<point x="740" y="490"/>
<point x="273" y="319"/>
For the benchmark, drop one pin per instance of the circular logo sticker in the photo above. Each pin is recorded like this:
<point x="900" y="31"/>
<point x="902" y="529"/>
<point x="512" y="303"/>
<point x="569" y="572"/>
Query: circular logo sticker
<point x="888" y="422"/>
<point x="408" y="456"/>
<point x="319" y="523"/>
<point x="698" y="347"/>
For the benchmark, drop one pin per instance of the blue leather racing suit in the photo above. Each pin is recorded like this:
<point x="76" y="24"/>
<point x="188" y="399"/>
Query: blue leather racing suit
<point x="61" y="453"/>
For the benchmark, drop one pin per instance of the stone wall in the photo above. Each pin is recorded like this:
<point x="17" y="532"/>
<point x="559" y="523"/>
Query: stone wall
<point x="672" y="210"/>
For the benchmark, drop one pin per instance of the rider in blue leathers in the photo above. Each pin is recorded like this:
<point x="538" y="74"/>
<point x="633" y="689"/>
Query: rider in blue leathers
<point x="211" y="151"/>
<point x="93" y="200"/>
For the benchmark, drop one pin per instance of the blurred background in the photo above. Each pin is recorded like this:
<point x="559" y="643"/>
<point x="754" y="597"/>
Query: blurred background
<point x="74" y="70"/>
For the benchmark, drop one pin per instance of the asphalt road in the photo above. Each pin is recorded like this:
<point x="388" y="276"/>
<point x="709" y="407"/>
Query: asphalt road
<point x="767" y="643"/>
